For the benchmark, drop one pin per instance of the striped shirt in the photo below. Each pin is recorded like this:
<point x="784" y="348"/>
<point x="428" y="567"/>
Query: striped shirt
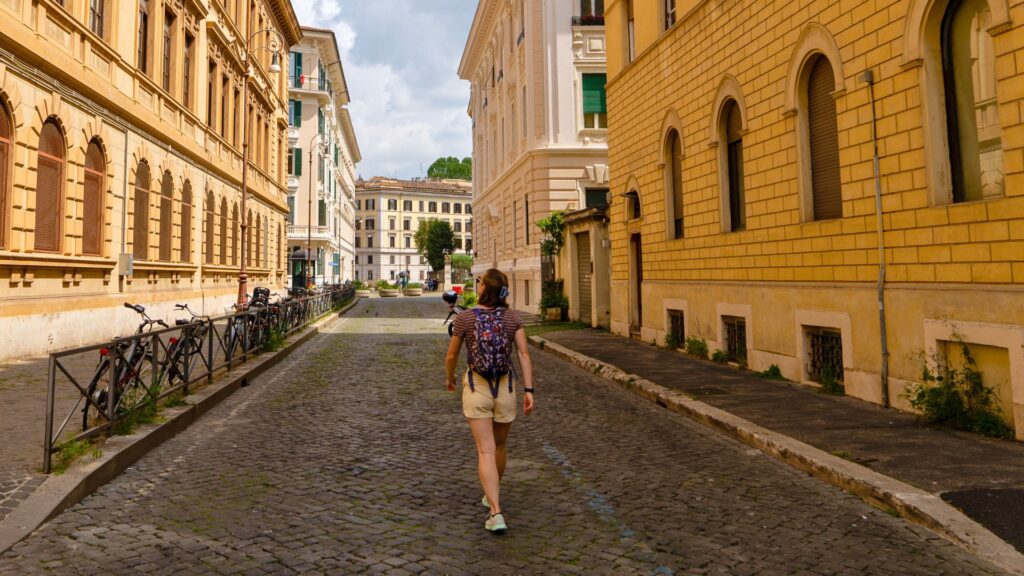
<point x="465" y="326"/>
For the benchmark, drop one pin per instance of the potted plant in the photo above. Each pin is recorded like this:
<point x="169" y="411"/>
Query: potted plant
<point x="414" y="289"/>
<point x="362" y="290"/>
<point x="553" y="303"/>
<point x="387" y="290"/>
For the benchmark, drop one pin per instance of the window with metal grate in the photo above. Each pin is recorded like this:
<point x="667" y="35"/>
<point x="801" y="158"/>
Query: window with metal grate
<point x="824" y="353"/>
<point x="735" y="338"/>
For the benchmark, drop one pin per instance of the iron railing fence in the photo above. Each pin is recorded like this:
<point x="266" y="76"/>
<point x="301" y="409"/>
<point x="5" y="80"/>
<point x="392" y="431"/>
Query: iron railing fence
<point x="145" y="368"/>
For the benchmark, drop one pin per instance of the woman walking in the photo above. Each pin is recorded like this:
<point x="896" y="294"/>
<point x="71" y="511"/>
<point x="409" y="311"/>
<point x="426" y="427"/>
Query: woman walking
<point x="488" y="392"/>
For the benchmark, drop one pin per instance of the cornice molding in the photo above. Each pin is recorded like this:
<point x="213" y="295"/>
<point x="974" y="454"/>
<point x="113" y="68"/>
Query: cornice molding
<point x="476" y="43"/>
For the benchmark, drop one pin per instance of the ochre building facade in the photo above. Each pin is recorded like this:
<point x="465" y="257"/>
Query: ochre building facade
<point x="121" y="142"/>
<point x="742" y="153"/>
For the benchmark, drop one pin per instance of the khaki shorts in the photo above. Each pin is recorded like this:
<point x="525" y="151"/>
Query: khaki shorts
<point x="480" y="403"/>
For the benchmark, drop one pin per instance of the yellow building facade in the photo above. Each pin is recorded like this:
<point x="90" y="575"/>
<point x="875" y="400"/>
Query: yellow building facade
<point x="742" y="140"/>
<point x="121" y="142"/>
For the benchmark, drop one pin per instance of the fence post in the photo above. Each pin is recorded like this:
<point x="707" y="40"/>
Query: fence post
<point x="51" y="389"/>
<point x="187" y="331"/>
<point x="210" y="363"/>
<point x="112" y="389"/>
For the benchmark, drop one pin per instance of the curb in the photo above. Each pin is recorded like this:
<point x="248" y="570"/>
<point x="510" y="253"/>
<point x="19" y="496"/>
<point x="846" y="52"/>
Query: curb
<point x="914" y="504"/>
<point x="58" y="493"/>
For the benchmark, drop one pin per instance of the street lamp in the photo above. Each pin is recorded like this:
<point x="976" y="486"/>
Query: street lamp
<point x="272" y="45"/>
<point x="323" y="148"/>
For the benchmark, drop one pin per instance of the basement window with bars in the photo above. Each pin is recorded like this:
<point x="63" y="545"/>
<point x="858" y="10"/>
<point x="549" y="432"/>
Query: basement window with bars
<point x="735" y="338"/>
<point x="676" y="327"/>
<point x="824" y="353"/>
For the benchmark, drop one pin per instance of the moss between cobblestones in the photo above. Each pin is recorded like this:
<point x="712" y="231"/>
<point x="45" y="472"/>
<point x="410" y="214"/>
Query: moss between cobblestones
<point x="71" y="451"/>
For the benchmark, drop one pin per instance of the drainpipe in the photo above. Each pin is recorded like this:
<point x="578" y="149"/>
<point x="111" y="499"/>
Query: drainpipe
<point x="124" y="210"/>
<point x="869" y="77"/>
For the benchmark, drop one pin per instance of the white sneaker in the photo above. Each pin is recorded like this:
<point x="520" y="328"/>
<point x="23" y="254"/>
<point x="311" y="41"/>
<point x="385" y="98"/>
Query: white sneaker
<point x="486" y="502"/>
<point x="496" y="523"/>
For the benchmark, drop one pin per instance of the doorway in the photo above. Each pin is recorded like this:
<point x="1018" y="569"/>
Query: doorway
<point x="584" y="278"/>
<point x="636" y="274"/>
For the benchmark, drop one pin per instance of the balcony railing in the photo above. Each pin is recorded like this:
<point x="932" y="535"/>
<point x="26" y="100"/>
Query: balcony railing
<point x="310" y="83"/>
<point x="597" y="20"/>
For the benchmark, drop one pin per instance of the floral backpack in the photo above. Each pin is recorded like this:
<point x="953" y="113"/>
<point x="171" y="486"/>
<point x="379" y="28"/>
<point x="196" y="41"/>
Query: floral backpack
<point x="490" y="352"/>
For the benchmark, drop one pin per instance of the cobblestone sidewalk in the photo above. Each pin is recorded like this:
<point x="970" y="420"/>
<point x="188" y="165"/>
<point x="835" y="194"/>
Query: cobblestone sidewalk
<point x="981" y="476"/>
<point x="350" y="457"/>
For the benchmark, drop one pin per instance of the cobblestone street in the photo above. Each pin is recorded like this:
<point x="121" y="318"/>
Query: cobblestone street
<point x="350" y="457"/>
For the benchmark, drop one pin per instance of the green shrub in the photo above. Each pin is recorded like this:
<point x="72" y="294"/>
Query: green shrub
<point x="957" y="398"/>
<point x="415" y="285"/>
<point x="829" y="384"/>
<point x="720" y="356"/>
<point x="275" y="339"/>
<point x="671" y="342"/>
<point x="358" y="285"/>
<point x="772" y="373"/>
<point x="468" y="300"/>
<point x="385" y="285"/>
<point x="697" y="347"/>
<point x="552" y="295"/>
<point x="72" y="450"/>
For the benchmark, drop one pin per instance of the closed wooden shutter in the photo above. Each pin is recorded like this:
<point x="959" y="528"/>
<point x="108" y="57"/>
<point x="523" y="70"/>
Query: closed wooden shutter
<point x="186" y="222"/>
<point x="49" y="189"/>
<point x="824" y="141"/>
<point x="140" y="233"/>
<point x="210" y="220"/>
<point x="92" y="201"/>
<point x="224" y="232"/>
<point x="676" y="166"/>
<point x="734" y="150"/>
<point x="266" y="242"/>
<point x="258" y="238"/>
<point x="234" y="235"/>
<point x="247" y="231"/>
<point x="280" y="246"/>
<point x="166" y="216"/>
<point x="5" y="173"/>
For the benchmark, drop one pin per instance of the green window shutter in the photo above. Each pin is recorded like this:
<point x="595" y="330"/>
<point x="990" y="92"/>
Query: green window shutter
<point x="291" y="210"/>
<point x="322" y="216"/>
<point x="296" y="69"/>
<point x="594" y="101"/>
<point x="320" y="119"/>
<point x="298" y="162"/>
<point x="297" y="121"/>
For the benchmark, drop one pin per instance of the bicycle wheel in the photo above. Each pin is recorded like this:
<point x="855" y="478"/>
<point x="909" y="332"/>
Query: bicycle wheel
<point x="135" y="383"/>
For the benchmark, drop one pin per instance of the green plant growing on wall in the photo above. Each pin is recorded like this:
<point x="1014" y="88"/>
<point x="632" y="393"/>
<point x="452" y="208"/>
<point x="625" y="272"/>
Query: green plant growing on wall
<point x="957" y="397"/>
<point x="697" y="347"/>
<point x="720" y="356"/>
<point x="772" y="373"/>
<point x="829" y="384"/>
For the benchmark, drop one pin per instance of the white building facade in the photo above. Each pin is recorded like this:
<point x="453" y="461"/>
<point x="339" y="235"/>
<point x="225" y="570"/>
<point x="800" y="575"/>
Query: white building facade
<point x="321" y="162"/>
<point x="390" y="211"/>
<point x="537" y="69"/>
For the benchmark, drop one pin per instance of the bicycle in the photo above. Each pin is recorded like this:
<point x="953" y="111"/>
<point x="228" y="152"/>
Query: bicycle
<point x="185" y="350"/>
<point x="130" y="386"/>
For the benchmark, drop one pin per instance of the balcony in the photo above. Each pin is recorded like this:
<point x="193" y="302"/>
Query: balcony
<point x="595" y="20"/>
<point x="319" y="86"/>
<point x="293" y="136"/>
<point x="293" y="184"/>
<point x="317" y="234"/>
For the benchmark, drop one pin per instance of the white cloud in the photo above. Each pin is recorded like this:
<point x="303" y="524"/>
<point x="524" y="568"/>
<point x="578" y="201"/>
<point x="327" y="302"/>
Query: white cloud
<point x="400" y="58"/>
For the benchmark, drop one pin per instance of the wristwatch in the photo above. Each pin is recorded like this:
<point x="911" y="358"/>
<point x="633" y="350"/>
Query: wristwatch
<point x="527" y="390"/>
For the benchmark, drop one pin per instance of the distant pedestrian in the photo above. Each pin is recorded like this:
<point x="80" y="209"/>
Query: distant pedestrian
<point x="488" y="394"/>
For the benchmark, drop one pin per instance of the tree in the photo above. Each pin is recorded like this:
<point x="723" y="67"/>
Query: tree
<point x="462" y="264"/>
<point x="451" y="168"/>
<point x="435" y="239"/>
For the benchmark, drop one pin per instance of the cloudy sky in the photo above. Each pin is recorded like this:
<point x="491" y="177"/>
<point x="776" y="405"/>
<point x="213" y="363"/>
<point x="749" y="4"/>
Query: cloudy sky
<point x="401" y="60"/>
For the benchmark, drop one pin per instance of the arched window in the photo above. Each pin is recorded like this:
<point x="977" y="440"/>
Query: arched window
<point x="234" y="235"/>
<point x="186" y="222"/>
<point x="674" y="179"/>
<point x="266" y="243"/>
<point x="823" y="132"/>
<point x="732" y="127"/>
<point x="6" y="129"/>
<point x="210" y="219"/>
<point x="140" y="219"/>
<point x="972" y="115"/>
<point x="92" y="200"/>
<point x="50" y="188"/>
<point x="223" y="231"/>
<point x="632" y="205"/>
<point x="166" y="215"/>
<point x="256" y="240"/>
<point x="248" y="239"/>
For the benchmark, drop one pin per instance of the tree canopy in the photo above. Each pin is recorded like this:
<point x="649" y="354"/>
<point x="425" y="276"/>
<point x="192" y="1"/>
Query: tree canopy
<point x="451" y="168"/>
<point x="435" y="239"/>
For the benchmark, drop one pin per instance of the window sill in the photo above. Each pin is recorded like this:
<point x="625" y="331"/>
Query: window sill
<point x="52" y="260"/>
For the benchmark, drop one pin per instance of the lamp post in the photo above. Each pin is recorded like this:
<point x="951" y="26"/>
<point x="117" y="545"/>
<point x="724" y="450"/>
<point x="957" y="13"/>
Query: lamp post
<point x="323" y="147"/>
<point x="273" y="45"/>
